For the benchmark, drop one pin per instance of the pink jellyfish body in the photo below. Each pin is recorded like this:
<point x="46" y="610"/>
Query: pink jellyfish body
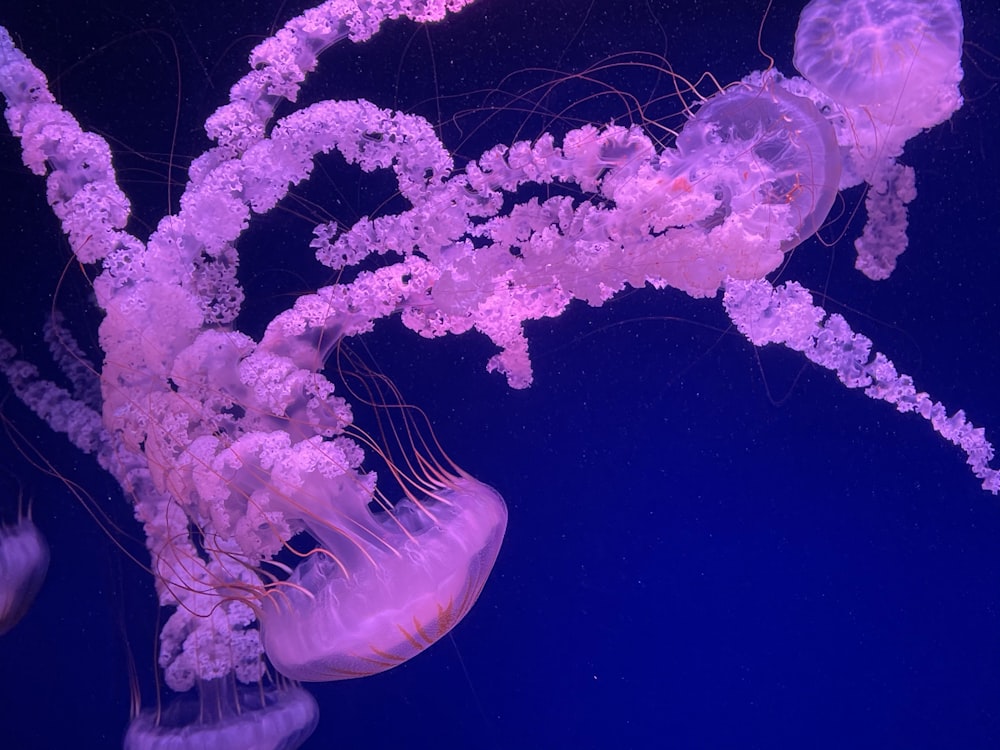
<point x="24" y="560"/>
<point x="890" y="70"/>
<point x="386" y="585"/>
<point x="227" y="717"/>
<point x="759" y="150"/>
<point x="899" y="59"/>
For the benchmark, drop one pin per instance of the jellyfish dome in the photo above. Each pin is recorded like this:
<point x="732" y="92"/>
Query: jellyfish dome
<point x="763" y="149"/>
<point x="228" y="716"/>
<point x="900" y="59"/>
<point x="387" y="585"/>
<point x="24" y="560"/>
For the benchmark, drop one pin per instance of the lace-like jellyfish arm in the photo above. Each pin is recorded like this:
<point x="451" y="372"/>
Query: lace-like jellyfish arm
<point x="786" y="315"/>
<point x="171" y="373"/>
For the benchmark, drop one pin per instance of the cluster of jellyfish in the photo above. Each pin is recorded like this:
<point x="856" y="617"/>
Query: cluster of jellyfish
<point x="387" y="582"/>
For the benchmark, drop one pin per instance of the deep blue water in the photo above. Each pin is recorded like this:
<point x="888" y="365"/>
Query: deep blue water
<point x="709" y="546"/>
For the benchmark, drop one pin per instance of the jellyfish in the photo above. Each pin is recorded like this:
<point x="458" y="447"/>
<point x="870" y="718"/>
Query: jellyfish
<point x="225" y="716"/>
<point x="386" y="585"/>
<point x="898" y="59"/>
<point x="886" y="71"/>
<point x="385" y="579"/>
<point x="760" y="149"/>
<point x="24" y="560"/>
<point x="232" y="448"/>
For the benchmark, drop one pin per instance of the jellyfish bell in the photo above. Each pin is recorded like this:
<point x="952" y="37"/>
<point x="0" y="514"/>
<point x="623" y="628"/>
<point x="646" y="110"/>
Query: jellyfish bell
<point x="758" y="149"/>
<point x="225" y="716"/>
<point x="24" y="560"/>
<point x="899" y="59"/>
<point x="386" y="584"/>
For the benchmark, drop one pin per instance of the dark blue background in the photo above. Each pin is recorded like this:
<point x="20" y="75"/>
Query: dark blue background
<point x="709" y="546"/>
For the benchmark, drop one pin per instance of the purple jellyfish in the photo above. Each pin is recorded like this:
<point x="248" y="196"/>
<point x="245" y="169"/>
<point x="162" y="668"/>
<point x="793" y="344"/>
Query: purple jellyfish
<point x="24" y="560"/>
<point x="762" y="150"/>
<point x="897" y="58"/>
<point x="385" y="585"/>
<point x="890" y="70"/>
<point x="228" y="716"/>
